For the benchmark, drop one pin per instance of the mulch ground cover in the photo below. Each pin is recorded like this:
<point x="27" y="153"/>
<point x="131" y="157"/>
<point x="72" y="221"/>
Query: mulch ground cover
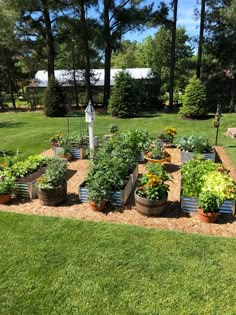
<point x="172" y="219"/>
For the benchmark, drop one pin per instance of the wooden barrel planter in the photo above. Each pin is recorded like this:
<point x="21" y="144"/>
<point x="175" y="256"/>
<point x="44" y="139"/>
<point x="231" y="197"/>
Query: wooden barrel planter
<point x="149" y="207"/>
<point x="52" y="196"/>
<point x="5" y="198"/>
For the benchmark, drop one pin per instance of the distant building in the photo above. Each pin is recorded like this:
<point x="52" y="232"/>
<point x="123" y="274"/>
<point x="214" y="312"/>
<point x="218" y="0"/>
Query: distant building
<point x="66" y="77"/>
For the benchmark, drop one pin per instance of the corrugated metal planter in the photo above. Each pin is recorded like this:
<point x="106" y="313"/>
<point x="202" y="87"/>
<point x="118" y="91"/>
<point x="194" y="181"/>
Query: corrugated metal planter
<point x="26" y="190"/>
<point x="26" y="187"/>
<point x="119" y="197"/>
<point x="186" y="156"/>
<point x="140" y="157"/>
<point x="78" y="152"/>
<point x="190" y="204"/>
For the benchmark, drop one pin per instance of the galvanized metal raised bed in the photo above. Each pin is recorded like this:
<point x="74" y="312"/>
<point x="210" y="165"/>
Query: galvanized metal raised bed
<point x="190" y="204"/>
<point x="119" y="197"/>
<point x="186" y="156"/>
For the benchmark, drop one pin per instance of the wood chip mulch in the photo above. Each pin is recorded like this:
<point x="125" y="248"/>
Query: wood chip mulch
<point x="172" y="219"/>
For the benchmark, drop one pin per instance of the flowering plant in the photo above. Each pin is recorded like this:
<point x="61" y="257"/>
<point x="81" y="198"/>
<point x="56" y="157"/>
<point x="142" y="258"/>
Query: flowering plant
<point x="157" y="153"/>
<point x="153" y="184"/>
<point x="169" y="133"/>
<point x="56" y="138"/>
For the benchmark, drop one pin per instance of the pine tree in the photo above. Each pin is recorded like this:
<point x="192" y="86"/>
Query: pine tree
<point x="54" y="99"/>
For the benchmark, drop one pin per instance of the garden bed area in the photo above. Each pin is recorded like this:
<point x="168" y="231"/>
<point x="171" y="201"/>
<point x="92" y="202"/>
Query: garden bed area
<point x="172" y="219"/>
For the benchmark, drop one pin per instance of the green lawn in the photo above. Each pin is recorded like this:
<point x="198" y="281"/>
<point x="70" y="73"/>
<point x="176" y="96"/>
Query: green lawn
<point x="30" y="132"/>
<point x="61" y="266"/>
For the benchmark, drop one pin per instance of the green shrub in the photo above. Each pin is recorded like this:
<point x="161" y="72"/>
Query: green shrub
<point x="123" y="98"/>
<point x="54" y="100"/>
<point x="194" y="100"/>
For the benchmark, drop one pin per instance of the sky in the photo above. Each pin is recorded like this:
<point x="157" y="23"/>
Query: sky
<point x="185" y="17"/>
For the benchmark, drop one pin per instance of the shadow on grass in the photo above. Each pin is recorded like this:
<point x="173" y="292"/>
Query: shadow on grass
<point x="9" y="124"/>
<point x="6" y="153"/>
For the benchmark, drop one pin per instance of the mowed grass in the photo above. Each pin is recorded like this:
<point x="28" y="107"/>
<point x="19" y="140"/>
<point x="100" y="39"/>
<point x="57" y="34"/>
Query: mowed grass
<point x="61" y="266"/>
<point x="30" y="132"/>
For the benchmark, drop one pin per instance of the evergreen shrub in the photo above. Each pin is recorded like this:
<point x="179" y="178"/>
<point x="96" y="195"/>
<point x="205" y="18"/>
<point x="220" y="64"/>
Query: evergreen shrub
<point x="123" y="98"/>
<point x="54" y="99"/>
<point x="194" y="100"/>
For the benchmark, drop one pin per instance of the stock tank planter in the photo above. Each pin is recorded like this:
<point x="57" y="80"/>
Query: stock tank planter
<point x="190" y="204"/>
<point x="5" y="198"/>
<point x="52" y="196"/>
<point x="187" y="156"/>
<point x="78" y="152"/>
<point x="26" y="186"/>
<point x="208" y="217"/>
<point x="119" y="197"/>
<point x="148" y="207"/>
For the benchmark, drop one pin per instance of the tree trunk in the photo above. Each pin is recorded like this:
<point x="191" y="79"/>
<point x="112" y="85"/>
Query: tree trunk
<point x="108" y="51"/>
<point x="107" y="77"/>
<point x="172" y="58"/>
<point x="49" y="40"/>
<point x="85" y="39"/>
<point x="75" y="79"/>
<point x="201" y="39"/>
<point x="233" y="95"/>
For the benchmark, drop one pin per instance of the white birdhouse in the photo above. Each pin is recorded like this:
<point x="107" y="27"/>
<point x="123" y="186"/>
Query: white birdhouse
<point x="89" y="113"/>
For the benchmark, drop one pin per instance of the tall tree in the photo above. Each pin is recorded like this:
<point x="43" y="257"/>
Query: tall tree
<point x="119" y="17"/>
<point x="172" y="57"/>
<point x="155" y="53"/>
<point x="221" y="40"/>
<point x="201" y="39"/>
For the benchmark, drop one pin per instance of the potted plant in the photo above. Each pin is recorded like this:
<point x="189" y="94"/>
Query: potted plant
<point x="209" y="204"/>
<point x="7" y="185"/>
<point x="64" y="152"/>
<point x="54" y="139"/>
<point x="52" y="186"/>
<point x="158" y="155"/>
<point x="151" y="195"/>
<point x="79" y="144"/>
<point x="113" y="130"/>
<point x="168" y="135"/>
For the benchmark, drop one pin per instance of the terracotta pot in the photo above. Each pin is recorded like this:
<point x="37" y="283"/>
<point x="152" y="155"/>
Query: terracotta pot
<point x="96" y="207"/>
<point x="52" y="196"/>
<point x="209" y="217"/>
<point x="149" y="207"/>
<point x="67" y="156"/>
<point x="5" y="198"/>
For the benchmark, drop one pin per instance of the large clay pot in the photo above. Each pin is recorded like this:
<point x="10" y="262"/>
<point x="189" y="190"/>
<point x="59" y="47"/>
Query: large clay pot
<point x="209" y="217"/>
<point x="52" y="196"/>
<point x="149" y="207"/>
<point x="5" y="198"/>
<point x="96" y="207"/>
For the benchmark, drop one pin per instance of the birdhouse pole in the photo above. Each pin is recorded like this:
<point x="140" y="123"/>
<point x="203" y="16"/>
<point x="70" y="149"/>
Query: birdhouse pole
<point x="90" y="118"/>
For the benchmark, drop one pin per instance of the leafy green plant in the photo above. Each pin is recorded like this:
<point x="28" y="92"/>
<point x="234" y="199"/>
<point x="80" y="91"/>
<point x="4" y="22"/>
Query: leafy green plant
<point x="22" y="168"/>
<point x="113" y="129"/>
<point x="192" y="176"/>
<point x="55" y="174"/>
<point x="7" y="185"/>
<point x="220" y="184"/>
<point x="168" y="134"/>
<point x="194" y="143"/>
<point x="194" y="100"/>
<point x="209" y="202"/>
<point x="138" y="140"/>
